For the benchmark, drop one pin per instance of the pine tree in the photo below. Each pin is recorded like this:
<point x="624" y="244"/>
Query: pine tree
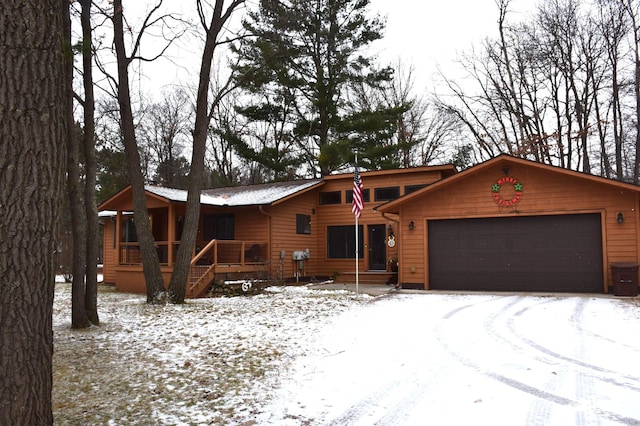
<point x="304" y="60"/>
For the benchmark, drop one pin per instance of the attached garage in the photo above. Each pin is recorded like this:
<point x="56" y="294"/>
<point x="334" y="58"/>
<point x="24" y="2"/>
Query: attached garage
<point x="510" y="224"/>
<point x="525" y="253"/>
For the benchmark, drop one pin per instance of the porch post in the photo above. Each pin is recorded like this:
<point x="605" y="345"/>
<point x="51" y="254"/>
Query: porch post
<point x="171" y="233"/>
<point x="117" y="235"/>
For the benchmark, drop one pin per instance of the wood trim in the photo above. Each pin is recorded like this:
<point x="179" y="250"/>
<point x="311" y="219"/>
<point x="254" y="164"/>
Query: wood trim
<point x="637" y="219"/>
<point x="392" y="206"/>
<point x="171" y="229"/>
<point x="605" y="251"/>
<point x="118" y="224"/>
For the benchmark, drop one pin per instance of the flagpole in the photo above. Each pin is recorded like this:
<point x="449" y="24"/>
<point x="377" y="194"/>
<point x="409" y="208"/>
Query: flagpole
<point x="357" y="253"/>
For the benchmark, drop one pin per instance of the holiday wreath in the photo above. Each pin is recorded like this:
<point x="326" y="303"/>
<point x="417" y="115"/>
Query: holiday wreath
<point x="517" y="187"/>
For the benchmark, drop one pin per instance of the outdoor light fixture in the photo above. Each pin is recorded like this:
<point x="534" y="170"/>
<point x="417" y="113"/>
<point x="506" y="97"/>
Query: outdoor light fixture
<point x="620" y="218"/>
<point x="390" y="230"/>
<point x="411" y="225"/>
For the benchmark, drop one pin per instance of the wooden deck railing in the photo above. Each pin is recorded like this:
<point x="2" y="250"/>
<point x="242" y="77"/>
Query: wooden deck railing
<point x="220" y="253"/>
<point x="130" y="253"/>
<point x="217" y="254"/>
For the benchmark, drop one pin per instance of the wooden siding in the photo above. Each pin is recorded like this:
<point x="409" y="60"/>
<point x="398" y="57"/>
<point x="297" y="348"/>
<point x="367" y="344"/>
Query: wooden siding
<point x="276" y="224"/>
<point x="131" y="279"/>
<point x="544" y="192"/>
<point x="340" y="215"/>
<point x="109" y="253"/>
<point x="284" y="236"/>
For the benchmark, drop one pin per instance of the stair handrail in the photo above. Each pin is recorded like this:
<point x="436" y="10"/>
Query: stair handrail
<point x="204" y="251"/>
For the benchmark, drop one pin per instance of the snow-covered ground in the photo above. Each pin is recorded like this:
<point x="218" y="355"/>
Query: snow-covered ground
<point x="297" y="356"/>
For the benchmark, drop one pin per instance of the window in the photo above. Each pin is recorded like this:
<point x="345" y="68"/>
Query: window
<point x="365" y="196"/>
<point x="341" y="242"/>
<point x="333" y="197"/>
<point x="303" y="224"/>
<point x="129" y="234"/>
<point x="413" y="188"/>
<point x="387" y="194"/>
<point x="218" y="227"/>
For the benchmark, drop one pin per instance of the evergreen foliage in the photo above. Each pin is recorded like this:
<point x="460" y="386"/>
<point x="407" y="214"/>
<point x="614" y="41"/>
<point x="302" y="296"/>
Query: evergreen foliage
<point x="298" y="71"/>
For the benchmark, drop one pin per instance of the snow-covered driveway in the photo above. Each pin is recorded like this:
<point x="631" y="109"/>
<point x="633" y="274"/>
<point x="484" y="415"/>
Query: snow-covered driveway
<point x="469" y="359"/>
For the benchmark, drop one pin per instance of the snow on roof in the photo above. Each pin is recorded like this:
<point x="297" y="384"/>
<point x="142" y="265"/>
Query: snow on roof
<point x="238" y="195"/>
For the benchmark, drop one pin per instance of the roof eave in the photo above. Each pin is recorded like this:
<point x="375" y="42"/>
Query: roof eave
<point x="393" y="206"/>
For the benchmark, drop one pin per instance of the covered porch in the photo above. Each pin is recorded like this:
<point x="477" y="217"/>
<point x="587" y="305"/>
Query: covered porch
<point x="229" y="242"/>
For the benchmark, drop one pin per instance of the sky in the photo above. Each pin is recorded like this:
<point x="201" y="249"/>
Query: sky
<point x="426" y="35"/>
<point x="432" y="34"/>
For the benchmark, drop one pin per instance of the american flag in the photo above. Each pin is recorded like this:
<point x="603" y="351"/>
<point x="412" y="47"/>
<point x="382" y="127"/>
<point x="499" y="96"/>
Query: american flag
<point x="358" y="203"/>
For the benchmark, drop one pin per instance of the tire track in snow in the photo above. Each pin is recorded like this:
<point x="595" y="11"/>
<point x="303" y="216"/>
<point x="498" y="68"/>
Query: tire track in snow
<point x="586" y="373"/>
<point x="544" y="394"/>
<point x="541" y="409"/>
<point x="569" y="359"/>
<point x="399" y="395"/>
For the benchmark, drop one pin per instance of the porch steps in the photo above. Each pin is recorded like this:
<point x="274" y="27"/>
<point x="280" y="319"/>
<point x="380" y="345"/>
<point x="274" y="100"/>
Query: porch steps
<point x="367" y="277"/>
<point x="200" y="281"/>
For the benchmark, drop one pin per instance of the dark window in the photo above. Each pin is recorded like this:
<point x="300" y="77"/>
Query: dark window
<point x="129" y="234"/>
<point x="333" y="197"/>
<point x="387" y="194"/>
<point x="303" y="224"/>
<point x="341" y="242"/>
<point x="218" y="227"/>
<point x="413" y="188"/>
<point x="365" y="196"/>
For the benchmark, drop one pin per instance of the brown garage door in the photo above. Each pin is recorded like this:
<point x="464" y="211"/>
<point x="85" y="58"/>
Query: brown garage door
<point x="524" y="253"/>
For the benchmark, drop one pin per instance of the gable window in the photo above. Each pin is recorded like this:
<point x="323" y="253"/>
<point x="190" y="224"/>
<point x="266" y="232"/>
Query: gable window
<point x="413" y="188"/>
<point x="365" y="196"/>
<point x="341" y="242"/>
<point x="303" y="224"/>
<point x="218" y="227"/>
<point x="333" y="197"/>
<point x="387" y="194"/>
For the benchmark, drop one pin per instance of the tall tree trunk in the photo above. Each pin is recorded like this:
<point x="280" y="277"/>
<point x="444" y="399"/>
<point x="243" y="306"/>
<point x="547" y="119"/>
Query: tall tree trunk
<point x="32" y="142"/>
<point x="148" y="252"/>
<point x="636" y="82"/>
<point x="632" y="11"/>
<point x="90" y="168"/>
<point x="178" y="283"/>
<point x="78" y="221"/>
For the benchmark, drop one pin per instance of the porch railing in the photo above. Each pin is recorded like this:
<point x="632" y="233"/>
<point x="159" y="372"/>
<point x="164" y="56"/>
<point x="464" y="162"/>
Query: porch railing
<point x="246" y="255"/>
<point x="219" y="253"/>
<point x="130" y="253"/>
<point x="226" y="252"/>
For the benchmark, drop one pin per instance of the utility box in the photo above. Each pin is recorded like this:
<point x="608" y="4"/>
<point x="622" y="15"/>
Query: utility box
<point x="625" y="278"/>
<point x="300" y="254"/>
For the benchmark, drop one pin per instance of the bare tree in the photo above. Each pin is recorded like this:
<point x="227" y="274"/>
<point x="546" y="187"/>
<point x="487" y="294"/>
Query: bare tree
<point x="148" y="252"/>
<point x="32" y="142"/>
<point x="90" y="167"/>
<point x="164" y="129"/>
<point x="632" y="9"/>
<point x="613" y="26"/>
<point x="79" y="318"/>
<point x="214" y="26"/>
<point x="423" y="130"/>
<point x="224" y="165"/>
<point x="542" y="88"/>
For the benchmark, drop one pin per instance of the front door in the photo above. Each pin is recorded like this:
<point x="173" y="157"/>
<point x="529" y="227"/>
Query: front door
<point x="377" y="248"/>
